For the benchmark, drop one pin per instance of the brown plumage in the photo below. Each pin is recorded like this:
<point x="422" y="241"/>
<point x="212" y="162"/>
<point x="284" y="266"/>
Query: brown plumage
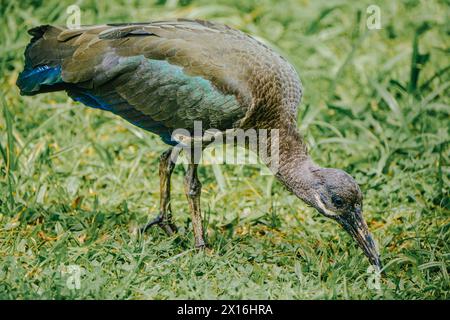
<point x="165" y="75"/>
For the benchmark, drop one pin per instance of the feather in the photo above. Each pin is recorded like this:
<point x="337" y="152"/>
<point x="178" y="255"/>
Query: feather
<point x="161" y="75"/>
<point x="30" y="81"/>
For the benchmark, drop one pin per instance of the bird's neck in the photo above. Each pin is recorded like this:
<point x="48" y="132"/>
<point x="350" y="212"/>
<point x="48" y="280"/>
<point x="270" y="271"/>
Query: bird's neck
<point x="288" y="154"/>
<point x="295" y="167"/>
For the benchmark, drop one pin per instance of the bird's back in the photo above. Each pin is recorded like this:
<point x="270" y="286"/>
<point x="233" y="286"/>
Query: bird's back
<point x="162" y="75"/>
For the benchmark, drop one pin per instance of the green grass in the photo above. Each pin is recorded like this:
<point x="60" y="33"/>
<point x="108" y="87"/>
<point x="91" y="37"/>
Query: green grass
<point x="75" y="183"/>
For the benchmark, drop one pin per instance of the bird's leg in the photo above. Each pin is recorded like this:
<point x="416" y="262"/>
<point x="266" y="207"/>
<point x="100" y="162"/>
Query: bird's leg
<point x="192" y="188"/>
<point x="164" y="219"/>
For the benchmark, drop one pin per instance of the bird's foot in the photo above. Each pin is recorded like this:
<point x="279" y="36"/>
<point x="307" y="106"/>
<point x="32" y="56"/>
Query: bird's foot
<point x="203" y="247"/>
<point x="161" y="221"/>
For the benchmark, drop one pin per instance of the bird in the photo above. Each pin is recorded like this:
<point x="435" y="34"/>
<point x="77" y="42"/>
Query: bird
<point x="165" y="75"/>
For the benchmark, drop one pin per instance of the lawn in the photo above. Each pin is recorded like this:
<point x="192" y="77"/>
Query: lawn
<point x="76" y="183"/>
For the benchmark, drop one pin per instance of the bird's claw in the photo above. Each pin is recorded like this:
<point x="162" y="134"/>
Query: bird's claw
<point x="204" y="248"/>
<point x="167" y="226"/>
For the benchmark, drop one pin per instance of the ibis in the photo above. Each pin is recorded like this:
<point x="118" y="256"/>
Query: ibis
<point x="165" y="75"/>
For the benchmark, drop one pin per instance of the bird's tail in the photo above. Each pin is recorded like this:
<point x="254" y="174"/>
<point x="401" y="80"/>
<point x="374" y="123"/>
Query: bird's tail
<point x="43" y="57"/>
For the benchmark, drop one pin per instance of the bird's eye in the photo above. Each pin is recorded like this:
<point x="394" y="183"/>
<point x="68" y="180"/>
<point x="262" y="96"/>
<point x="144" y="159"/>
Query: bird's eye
<point x="337" y="201"/>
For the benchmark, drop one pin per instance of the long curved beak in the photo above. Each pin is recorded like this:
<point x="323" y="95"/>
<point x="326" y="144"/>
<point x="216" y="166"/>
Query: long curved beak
<point x="355" y="224"/>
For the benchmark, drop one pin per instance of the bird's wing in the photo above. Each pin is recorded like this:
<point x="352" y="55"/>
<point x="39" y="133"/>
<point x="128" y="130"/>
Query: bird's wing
<point x="164" y="74"/>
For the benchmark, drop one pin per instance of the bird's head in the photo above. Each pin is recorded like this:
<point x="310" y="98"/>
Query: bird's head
<point x="336" y="195"/>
